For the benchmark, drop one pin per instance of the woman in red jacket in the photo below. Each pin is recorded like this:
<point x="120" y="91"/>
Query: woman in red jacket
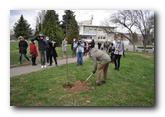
<point x="33" y="52"/>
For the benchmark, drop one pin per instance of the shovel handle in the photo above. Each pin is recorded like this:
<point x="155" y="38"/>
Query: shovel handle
<point x="89" y="77"/>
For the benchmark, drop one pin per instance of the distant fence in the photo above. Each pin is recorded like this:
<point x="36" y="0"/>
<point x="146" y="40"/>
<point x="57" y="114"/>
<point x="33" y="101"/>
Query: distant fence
<point x="149" y="49"/>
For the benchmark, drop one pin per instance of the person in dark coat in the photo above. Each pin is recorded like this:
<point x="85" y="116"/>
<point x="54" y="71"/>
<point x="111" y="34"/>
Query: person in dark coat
<point x="111" y="51"/>
<point x="23" y="45"/>
<point x="93" y="43"/>
<point x="48" y="49"/>
<point x="42" y="45"/>
<point x="33" y="52"/>
<point x="53" y="53"/>
<point x="99" y="45"/>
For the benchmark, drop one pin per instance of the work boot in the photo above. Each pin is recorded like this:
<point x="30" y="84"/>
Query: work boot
<point x="98" y="83"/>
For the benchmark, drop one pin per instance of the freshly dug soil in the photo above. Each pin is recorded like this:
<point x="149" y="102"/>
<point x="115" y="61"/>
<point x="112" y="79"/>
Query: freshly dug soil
<point x="77" y="86"/>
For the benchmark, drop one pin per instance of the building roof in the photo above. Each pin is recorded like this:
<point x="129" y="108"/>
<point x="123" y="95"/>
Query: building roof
<point x="98" y="26"/>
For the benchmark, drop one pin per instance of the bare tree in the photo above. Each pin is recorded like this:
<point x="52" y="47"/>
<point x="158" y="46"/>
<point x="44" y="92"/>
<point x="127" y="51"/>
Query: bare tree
<point x="39" y="21"/>
<point x="125" y="19"/>
<point x="144" y="21"/>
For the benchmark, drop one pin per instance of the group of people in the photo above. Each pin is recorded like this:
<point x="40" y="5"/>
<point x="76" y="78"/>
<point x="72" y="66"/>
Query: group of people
<point x="100" y="57"/>
<point x="115" y="50"/>
<point x="79" y="48"/>
<point x="46" y="48"/>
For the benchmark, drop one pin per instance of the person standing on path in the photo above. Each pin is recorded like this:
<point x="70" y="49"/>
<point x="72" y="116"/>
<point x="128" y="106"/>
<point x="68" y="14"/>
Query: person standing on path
<point x="101" y="63"/>
<point x="23" y="45"/>
<point x="33" y="52"/>
<point x="92" y="43"/>
<point x="111" y="51"/>
<point x="48" y="49"/>
<point x="99" y="45"/>
<point x="53" y="53"/>
<point x="73" y="47"/>
<point x="86" y="47"/>
<point x="42" y="49"/>
<point x="64" y="47"/>
<point x="79" y="53"/>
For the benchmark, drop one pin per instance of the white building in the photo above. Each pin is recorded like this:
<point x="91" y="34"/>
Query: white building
<point x="87" y="32"/>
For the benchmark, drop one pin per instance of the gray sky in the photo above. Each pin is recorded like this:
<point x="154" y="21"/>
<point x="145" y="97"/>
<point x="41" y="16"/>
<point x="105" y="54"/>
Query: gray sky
<point x="81" y="15"/>
<point x="98" y="16"/>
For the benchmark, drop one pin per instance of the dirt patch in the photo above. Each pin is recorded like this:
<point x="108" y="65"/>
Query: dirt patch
<point x="77" y="86"/>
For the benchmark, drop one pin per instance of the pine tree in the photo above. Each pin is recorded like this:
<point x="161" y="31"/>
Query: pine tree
<point x="22" y="28"/>
<point x="70" y="26"/>
<point x="51" y="28"/>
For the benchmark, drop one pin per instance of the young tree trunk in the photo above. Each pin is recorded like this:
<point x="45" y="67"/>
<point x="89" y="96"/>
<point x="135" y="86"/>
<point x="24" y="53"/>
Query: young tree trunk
<point x="134" y="49"/>
<point x="144" y="45"/>
<point x="133" y="45"/>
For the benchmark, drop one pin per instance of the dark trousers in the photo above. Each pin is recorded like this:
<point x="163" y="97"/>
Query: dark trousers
<point x="20" y="57"/>
<point x="117" y="61"/>
<point x="112" y="57"/>
<point x="50" y="59"/>
<point x="47" y="55"/>
<point x="33" y="59"/>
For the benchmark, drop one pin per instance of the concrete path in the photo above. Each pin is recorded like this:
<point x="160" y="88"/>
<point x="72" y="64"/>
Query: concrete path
<point x="29" y="68"/>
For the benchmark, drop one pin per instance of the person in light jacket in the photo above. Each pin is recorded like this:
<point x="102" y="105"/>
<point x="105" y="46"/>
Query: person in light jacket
<point x="119" y="50"/>
<point x="64" y="47"/>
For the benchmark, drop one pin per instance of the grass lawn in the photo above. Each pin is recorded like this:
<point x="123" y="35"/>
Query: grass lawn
<point x="14" y="54"/>
<point x="133" y="85"/>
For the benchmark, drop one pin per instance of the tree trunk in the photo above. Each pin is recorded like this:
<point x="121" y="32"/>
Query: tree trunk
<point x="144" y="45"/>
<point x="134" y="49"/>
<point x="133" y="45"/>
<point x="144" y="48"/>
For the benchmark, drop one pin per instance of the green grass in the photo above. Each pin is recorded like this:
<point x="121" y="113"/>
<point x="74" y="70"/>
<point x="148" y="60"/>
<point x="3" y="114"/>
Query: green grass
<point x="133" y="85"/>
<point x="14" y="54"/>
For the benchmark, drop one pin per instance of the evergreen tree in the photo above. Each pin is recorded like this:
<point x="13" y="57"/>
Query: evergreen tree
<point x="70" y="26"/>
<point x="51" y="28"/>
<point x="22" y="28"/>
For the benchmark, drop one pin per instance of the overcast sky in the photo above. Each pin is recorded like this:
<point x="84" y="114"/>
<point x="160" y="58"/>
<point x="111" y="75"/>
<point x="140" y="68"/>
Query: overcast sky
<point x="81" y="15"/>
<point x="98" y="16"/>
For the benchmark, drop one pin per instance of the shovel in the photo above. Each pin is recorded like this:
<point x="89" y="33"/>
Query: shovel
<point x="89" y="77"/>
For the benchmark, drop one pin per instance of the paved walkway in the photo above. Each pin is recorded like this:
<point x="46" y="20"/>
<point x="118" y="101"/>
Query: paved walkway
<point x="29" y="68"/>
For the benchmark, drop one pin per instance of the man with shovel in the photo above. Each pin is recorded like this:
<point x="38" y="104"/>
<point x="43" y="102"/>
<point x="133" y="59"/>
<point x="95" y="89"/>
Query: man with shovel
<point x="101" y="62"/>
